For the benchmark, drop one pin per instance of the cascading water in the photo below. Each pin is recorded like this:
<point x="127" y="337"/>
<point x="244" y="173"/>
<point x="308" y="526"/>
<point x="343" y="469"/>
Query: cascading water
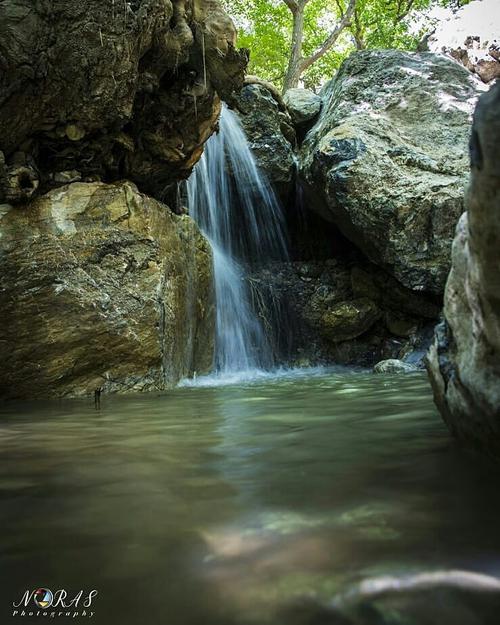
<point x="238" y="212"/>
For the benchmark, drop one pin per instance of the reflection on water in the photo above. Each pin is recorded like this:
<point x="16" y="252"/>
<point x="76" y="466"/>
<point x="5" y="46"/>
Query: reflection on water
<point x="224" y="504"/>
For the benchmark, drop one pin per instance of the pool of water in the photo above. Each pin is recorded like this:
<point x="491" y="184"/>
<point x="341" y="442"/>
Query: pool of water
<point x="226" y="504"/>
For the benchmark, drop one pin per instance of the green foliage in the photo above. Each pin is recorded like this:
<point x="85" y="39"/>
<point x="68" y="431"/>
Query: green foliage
<point x="320" y="17"/>
<point x="265" y="27"/>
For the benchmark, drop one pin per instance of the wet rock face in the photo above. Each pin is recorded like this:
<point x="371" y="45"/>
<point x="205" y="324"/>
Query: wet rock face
<point x="110" y="90"/>
<point x="464" y="361"/>
<point x="387" y="160"/>
<point x="344" y="311"/>
<point x="102" y="287"/>
<point x="270" y="133"/>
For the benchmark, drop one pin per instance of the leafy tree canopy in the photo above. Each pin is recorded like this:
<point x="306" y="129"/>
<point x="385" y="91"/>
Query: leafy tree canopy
<point x="265" y="27"/>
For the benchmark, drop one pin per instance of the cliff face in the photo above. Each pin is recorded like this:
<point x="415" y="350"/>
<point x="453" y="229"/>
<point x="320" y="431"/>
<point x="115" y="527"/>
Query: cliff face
<point x="101" y="102"/>
<point x="464" y="361"/>
<point x="110" y="90"/>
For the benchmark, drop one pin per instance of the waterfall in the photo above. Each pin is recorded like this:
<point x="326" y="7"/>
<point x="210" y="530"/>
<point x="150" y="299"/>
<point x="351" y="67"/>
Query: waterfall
<point x="237" y="210"/>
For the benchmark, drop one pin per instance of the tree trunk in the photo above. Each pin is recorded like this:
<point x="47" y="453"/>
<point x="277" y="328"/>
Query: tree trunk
<point x="294" y="64"/>
<point x="297" y="63"/>
<point x="357" y="31"/>
<point x="255" y="80"/>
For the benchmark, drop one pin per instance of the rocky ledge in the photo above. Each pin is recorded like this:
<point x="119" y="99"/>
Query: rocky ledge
<point x="106" y="90"/>
<point x="103" y="287"/>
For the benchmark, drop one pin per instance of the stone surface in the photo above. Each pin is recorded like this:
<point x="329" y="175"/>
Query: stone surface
<point x="270" y="134"/>
<point x="418" y="597"/>
<point x="101" y="287"/>
<point x="303" y="105"/>
<point x="112" y="89"/>
<point x="325" y="316"/>
<point x="348" y="319"/>
<point x="464" y="360"/>
<point x="387" y="159"/>
<point x="369" y="281"/>
<point x="392" y="365"/>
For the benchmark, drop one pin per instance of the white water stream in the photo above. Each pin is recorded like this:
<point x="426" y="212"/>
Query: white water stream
<point x="237" y="210"/>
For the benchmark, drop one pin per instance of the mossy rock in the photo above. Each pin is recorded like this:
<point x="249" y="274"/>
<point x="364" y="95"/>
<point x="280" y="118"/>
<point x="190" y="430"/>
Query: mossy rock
<point x="348" y="320"/>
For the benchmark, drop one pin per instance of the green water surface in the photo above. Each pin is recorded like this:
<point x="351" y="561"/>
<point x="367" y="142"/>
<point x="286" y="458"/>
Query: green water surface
<point x="220" y="505"/>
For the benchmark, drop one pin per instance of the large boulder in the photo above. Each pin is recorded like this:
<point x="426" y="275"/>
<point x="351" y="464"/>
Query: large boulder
<point x="271" y="136"/>
<point x="464" y="361"/>
<point x="387" y="159"/>
<point x="342" y="321"/>
<point x="110" y="90"/>
<point x="303" y="105"/>
<point x="102" y="287"/>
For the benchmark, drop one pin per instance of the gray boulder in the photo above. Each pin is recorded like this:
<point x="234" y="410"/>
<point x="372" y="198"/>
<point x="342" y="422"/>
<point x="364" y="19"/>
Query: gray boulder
<point x="464" y="360"/>
<point x="303" y="105"/>
<point x="387" y="159"/>
<point x="271" y="135"/>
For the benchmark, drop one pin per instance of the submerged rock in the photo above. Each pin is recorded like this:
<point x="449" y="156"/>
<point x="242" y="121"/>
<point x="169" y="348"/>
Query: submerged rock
<point x="387" y="159"/>
<point x="392" y="365"/>
<point x="425" y="598"/>
<point x="102" y="287"/>
<point x="464" y="360"/>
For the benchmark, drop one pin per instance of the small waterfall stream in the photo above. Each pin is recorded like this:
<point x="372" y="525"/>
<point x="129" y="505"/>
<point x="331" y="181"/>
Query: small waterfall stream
<point x="237" y="210"/>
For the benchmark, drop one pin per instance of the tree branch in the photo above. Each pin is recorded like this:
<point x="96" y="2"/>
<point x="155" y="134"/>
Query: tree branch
<point x="331" y="39"/>
<point x="292" y="5"/>
<point x="340" y="7"/>
<point x="255" y="80"/>
<point x="358" y="31"/>
<point x="295" y="5"/>
<point x="402" y="12"/>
